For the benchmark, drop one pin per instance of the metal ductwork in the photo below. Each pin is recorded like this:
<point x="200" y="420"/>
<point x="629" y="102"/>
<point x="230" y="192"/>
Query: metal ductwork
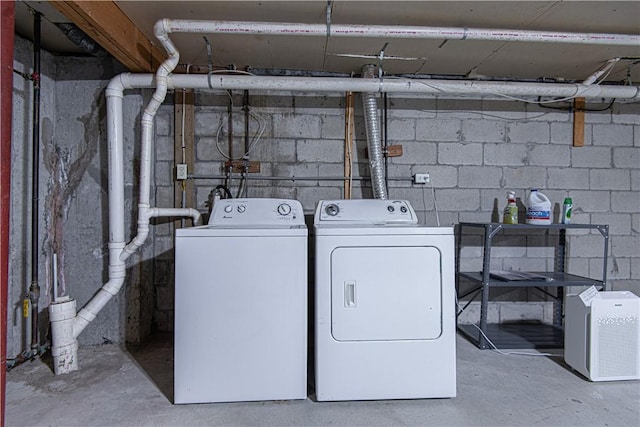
<point x="374" y="139"/>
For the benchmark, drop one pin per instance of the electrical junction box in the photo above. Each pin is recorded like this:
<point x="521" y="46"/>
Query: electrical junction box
<point x="181" y="171"/>
<point x="421" y="178"/>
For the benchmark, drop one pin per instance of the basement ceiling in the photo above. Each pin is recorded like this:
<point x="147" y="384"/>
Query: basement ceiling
<point x="490" y="59"/>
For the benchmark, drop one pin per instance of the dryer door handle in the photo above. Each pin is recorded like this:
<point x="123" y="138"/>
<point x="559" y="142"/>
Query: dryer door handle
<point x="350" y="294"/>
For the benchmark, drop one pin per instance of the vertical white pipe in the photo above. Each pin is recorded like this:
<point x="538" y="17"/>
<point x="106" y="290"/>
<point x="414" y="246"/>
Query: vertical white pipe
<point x="65" y="345"/>
<point x="115" y="140"/>
<point x="147" y="136"/>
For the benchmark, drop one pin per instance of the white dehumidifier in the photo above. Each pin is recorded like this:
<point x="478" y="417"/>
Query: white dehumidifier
<point x="602" y="335"/>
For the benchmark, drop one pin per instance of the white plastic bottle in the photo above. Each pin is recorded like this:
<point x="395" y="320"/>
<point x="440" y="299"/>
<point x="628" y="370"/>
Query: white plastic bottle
<point x="538" y="208"/>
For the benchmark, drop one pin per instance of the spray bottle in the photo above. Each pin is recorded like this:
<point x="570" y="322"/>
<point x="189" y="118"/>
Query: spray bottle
<point x="510" y="215"/>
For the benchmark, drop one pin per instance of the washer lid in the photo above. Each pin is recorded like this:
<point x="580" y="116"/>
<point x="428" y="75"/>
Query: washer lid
<point x="369" y="211"/>
<point x="257" y="213"/>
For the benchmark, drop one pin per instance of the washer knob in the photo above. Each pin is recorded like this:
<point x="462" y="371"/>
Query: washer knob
<point x="403" y="209"/>
<point x="284" y="209"/>
<point x="228" y="208"/>
<point x="391" y="208"/>
<point x="241" y="208"/>
<point x="332" y="210"/>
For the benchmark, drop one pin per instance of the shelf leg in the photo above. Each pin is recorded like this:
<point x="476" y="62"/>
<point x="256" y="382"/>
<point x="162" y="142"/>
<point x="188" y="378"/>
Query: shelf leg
<point x="484" y="305"/>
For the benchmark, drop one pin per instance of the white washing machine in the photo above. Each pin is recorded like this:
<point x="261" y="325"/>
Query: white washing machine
<point x="385" y="310"/>
<point x="241" y="304"/>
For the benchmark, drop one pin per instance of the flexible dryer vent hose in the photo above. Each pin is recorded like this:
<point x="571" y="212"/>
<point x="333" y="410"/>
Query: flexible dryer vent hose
<point x="374" y="140"/>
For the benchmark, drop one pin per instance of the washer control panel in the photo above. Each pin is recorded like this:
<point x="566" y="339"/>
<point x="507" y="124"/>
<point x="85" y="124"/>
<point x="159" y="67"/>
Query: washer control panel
<point x="368" y="211"/>
<point x="258" y="212"/>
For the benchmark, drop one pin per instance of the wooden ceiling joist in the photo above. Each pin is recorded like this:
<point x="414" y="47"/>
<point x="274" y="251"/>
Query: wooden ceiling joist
<point x="104" y="22"/>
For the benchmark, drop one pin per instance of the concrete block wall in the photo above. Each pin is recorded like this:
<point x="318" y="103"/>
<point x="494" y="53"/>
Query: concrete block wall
<point x="474" y="150"/>
<point x="72" y="199"/>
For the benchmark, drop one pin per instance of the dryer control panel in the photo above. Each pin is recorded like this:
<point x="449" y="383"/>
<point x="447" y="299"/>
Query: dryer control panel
<point x="366" y="211"/>
<point x="256" y="212"/>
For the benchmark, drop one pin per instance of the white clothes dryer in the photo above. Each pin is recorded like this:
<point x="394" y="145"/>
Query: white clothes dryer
<point x="385" y="308"/>
<point x="241" y="304"/>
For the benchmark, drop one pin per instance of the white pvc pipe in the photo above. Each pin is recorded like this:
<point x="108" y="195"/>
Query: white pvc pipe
<point x="66" y="325"/>
<point x="115" y="140"/>
<point x="606" y="68"/>
<point x="393" y="31"/>
<point x="389" y="85"/>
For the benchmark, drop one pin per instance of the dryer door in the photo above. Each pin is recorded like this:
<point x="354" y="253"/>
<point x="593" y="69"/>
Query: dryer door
<point x="386" y="293"/>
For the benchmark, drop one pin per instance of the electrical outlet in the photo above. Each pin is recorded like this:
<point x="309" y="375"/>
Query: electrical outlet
<point x="421" y="178"/>
<point x="181" y="171"/>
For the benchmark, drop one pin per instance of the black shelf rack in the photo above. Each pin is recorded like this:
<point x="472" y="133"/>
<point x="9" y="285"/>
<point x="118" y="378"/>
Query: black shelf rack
<point x="522" y="334"/>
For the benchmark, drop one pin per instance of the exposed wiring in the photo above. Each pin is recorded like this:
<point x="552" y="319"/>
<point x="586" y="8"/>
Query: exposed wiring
<point x="512" y="353"/>
<point x="495" y="116"/>
<point x="209" y="61"/>
<point x="225" y="190"/>
<point x="504" y="353"/>
<point x="513" y="98"/>
<point x="569" y="107"/>
<point x="528" y="101"/>
<point x="424" y="204"/>
<point x="435" y="203"/>
<point x="232" y="72"/>
<point x="256" y="138"/>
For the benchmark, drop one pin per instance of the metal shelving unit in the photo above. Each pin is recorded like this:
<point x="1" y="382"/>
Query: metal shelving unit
<point x="522" y="334"/>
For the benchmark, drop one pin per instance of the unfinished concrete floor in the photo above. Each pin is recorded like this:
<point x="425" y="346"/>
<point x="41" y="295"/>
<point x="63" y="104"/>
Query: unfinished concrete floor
<point x="133" y="387"/>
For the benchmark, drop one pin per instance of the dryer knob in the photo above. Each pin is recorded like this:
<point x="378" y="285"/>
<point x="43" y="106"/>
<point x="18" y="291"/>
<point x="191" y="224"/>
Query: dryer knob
<point x="391" y="208"/>
<point x="332" y="210"/>
<point x="284" y="209"/>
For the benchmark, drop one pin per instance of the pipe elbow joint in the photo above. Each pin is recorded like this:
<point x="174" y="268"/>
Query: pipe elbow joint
<point x="115" y="87"/>
<point x="161" y="29"/>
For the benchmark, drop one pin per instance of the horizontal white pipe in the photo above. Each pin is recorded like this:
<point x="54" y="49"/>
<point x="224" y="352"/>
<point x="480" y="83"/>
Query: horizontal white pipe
<point x="145" y="213"/>
<point x="177" y="212"/>
<point x="395" y="31"/>
<point x="391" y="85"/>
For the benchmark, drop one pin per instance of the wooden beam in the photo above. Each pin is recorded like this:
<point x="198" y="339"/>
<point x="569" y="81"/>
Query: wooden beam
<point x="349" y="126"/>
<point x="578" y="122"/>
<point x="105" y="23"/>
<point x="183" y="147"/>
